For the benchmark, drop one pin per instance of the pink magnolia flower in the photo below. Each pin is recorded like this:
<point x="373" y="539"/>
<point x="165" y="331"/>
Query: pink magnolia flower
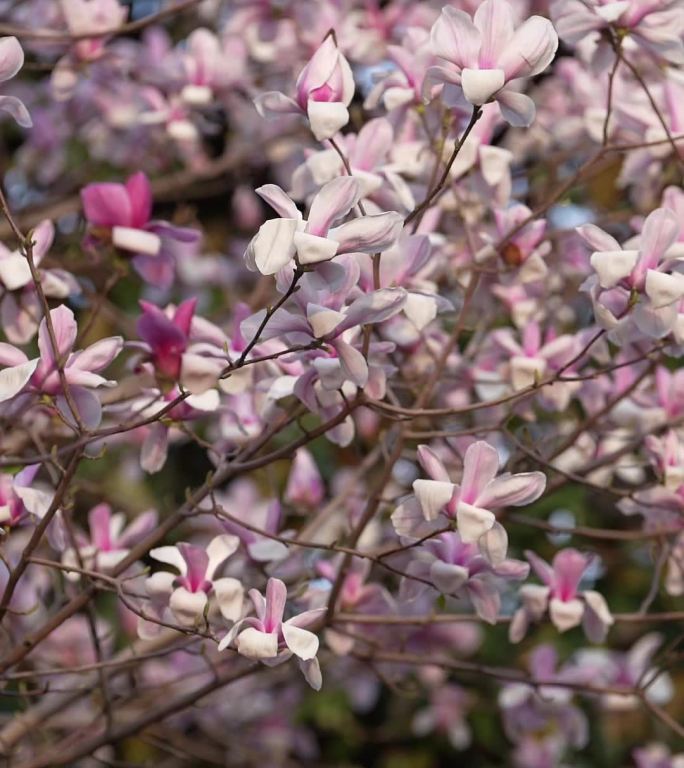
<point x="323" y="91"/>
<point x="466" y="569"/>
<point x="542" y="720"/>
<point x="188" y="594"/>
<point x="210" y="64"/>
<point x="446" y="713"/>
<point x="480" y="491"/>
<point x="121" y="214"/>
<point x="174" y="353"/>
<point x="20" y="497"/>
<point x="486" y="58"/>
<point x="653" y="25"/>
<point x="109" y="539"/>
<point x="637" y="283"/>
<point x="628" y="669"/>
<point x="11" y="61"/>
<point x="92" y="17"/>
<point x="19" y="306"/>
<point x="525" y="251"/>
<point x="271" y="640"/>
<point x="80" y="368"/>
<point x="339" y="331"/>
<point x="567" y="605"/>
<point x="316" y="239"/>
<point x="305" y="485"/>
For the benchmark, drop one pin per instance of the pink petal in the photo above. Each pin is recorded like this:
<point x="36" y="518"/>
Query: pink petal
<point x="65" y="328"/>
<point x="494" y="19"/>
<point x="513" y="490"/>
<point x="333" y="201"/>
<point x="455" y="38"/>
<point x="276" y="597"/>
<point x="531" y="49"/>
<point x="140" y="196"/>
<point x="480" y="465"/>
<point x="107" y="205"/>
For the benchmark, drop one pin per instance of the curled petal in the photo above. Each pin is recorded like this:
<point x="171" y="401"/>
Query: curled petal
<point x="187" y="606"/>
<point x="613" y="266"/>
<point x="433" y="496"/>
<point x="473" y="522"/>
<point x="301" y="642"/>
<point x="13" y="380"/>
<point x="479" y="85"/>
<point x="566" y="614"/>
<point x="255" y="644"/>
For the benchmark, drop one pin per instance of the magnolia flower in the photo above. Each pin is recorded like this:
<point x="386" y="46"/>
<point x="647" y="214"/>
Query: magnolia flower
<point x="11" y="61"/>
<point x="121" y="213"/>
<point x="314" y="240"/>
<point x="109" y="541"/>
<point x="304" y="485"/>
<point x="80" y="368"/>
<point x="338" y="329"/>
<point x="188" y="595"/>
<point x="271" y="640"/>
<point x="654" y="26"/>
<point x="526" y="249"/>
<point x="540" y="718"/>
<point x="486" y="58"/>
<point x="567" y="605"/>
<point x="459" y="568"/>
<point x="20" y="307"/>
<point x="637" y="281"/>
<point x="20" y="497"/>
<point x="480" y="491"/>
<point x="323" y="89"/>
<point x="535" y="357"/>
<point x="210" y="64"/>
<point x="173" y="354"/>
<point x="626" y="669"/>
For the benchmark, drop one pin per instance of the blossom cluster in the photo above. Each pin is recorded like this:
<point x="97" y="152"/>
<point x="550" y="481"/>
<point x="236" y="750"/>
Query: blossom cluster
<point x="341" y="357"/>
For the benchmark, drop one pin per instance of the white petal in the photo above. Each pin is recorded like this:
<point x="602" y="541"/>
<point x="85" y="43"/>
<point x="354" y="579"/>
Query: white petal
<point x="494" y="544"/>
<point x="14" y="271"/>
<point x="301" y="642"/>
<point x="613" y="266"/>
<point x="566" y="614"/>
<point x="37" y="502"/>
<point x="322" y="319"/>
<point x="421" y="310"/>
<point x="535" y="598"/>
<point x="272" y="247"/>
<point x="257" y="645"/>
<point x="433" y="496"/>
<point x="229" y="596"/>
<point x="312" y="249"/>
<point x="13" y="380"/>
<point x="220" y="549"/>
<point x="311" y="670"/>
<point x="495" y="163"/>
<point x="326" y="118"/>
<point x="664" y="289"/>
<point x="479" y="85"/>
<point x="473" y="522"/>
<point x="170" y="556"/>
<point x="136" y="240"/>
<point x="526" y="371"/>
<point x="187" y="606"/>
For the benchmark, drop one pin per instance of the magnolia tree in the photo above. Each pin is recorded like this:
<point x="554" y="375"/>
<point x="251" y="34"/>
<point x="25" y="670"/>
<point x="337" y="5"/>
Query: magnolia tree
<point x="341" y="398"/>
